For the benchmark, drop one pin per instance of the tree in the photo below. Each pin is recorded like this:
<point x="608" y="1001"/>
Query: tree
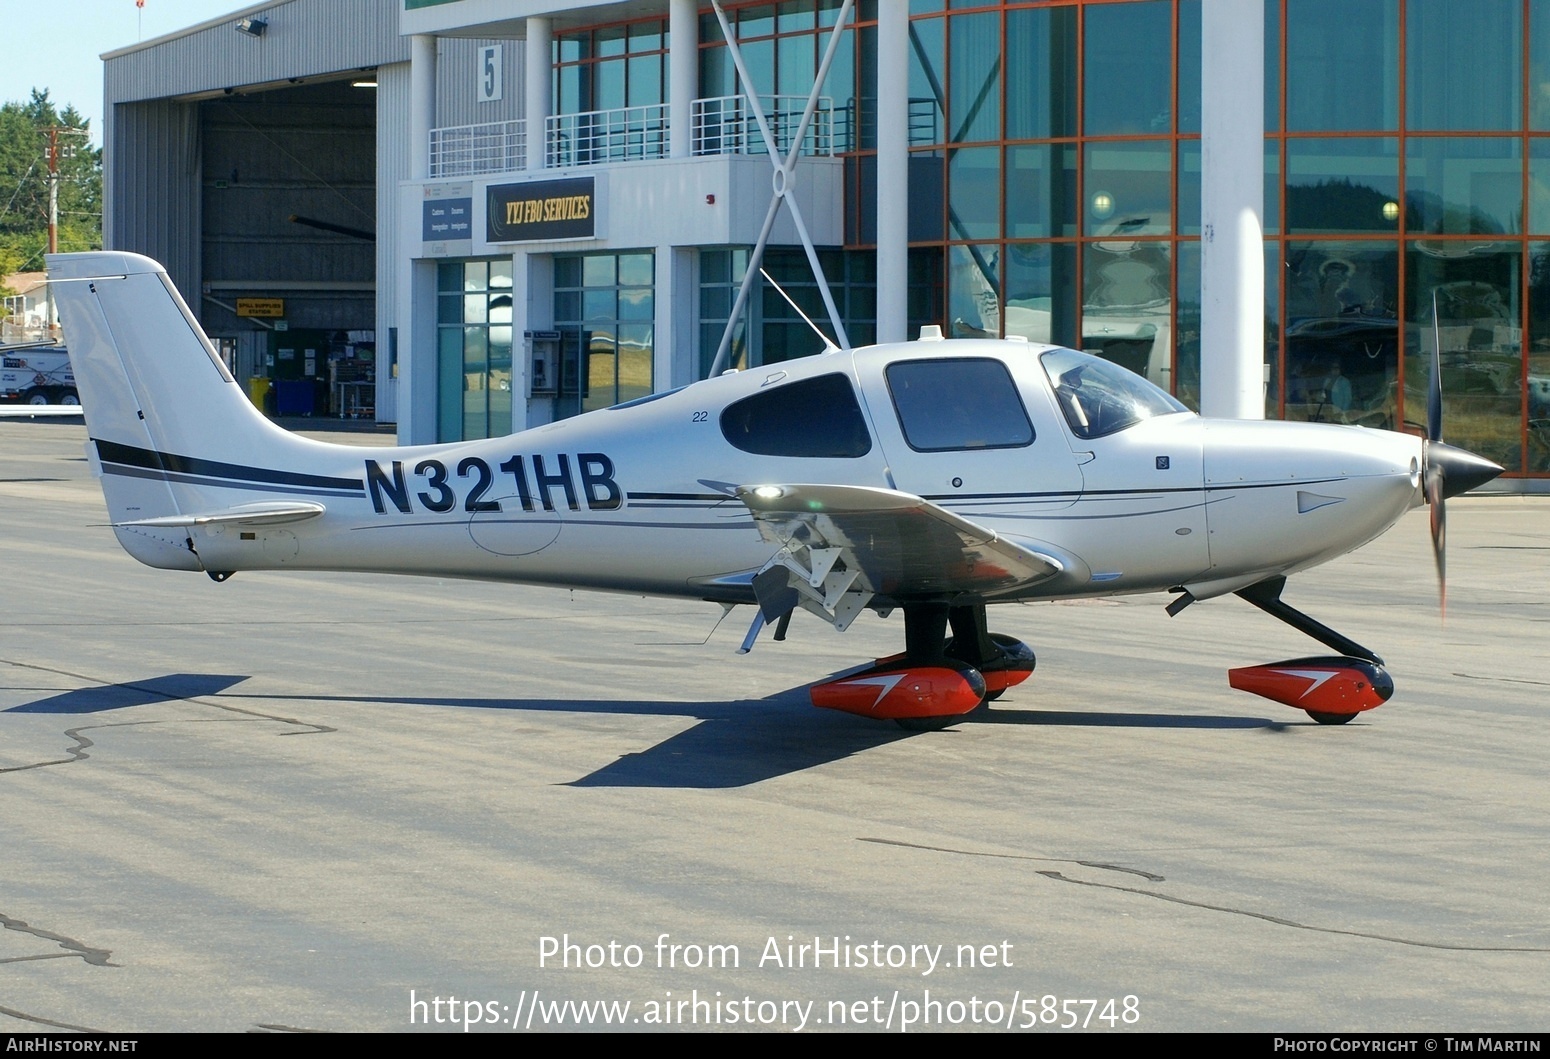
<point x="24" y="183"/>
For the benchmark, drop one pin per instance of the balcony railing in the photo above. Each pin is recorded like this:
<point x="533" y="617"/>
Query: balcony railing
<point x="719" y="125"/>
<point x="726" y="125"/>
<point x="598" y="137"/>
<point x="468" y="150"/>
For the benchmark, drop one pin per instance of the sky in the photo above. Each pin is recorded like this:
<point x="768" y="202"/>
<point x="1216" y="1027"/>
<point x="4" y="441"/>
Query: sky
<point x="57" y="44"/>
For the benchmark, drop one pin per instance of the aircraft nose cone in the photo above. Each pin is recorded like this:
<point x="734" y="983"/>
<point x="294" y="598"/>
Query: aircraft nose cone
<point x="1462" y="470"/>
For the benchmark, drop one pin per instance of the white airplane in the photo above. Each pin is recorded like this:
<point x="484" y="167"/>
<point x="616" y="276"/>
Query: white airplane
<point x="933" y="477"/>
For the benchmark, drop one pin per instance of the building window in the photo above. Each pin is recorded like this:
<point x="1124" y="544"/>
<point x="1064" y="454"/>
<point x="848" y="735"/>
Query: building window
<point x="473" y="349"/>
<point x="609" y="67"/>
<point x="605" y="311"/>
<point x="779" y="332"/>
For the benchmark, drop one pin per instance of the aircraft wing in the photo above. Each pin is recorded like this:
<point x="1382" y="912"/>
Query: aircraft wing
<point x="897" y="545"/>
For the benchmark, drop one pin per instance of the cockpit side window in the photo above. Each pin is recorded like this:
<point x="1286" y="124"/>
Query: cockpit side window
<point x="810" y="417"/>
<point x="958" y="403"/>
<point x="1099" y="398"/>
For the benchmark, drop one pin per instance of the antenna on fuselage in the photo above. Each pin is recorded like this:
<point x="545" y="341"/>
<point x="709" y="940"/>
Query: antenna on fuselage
<point x="828" y="347"/>
<point x="784" y="180"/>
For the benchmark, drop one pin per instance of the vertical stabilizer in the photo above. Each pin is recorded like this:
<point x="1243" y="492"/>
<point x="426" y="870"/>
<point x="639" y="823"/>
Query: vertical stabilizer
<point x="156" y="397"/>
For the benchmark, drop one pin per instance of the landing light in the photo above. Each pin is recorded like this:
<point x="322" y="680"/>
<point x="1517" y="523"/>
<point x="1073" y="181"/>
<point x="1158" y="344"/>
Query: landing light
<point x="769" y="492"/>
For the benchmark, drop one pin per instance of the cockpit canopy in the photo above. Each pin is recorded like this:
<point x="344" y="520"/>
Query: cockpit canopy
<point x="1099" y="398"/>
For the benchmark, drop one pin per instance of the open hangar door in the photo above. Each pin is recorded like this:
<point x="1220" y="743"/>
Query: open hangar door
<point x="288" y="242"/>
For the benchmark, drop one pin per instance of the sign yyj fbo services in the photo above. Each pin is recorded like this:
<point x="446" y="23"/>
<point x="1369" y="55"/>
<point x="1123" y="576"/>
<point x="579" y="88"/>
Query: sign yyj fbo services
<point x="541" y="209"/>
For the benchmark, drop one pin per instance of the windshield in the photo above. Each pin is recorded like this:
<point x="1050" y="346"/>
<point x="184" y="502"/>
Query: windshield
<point x="1100" y="398"/>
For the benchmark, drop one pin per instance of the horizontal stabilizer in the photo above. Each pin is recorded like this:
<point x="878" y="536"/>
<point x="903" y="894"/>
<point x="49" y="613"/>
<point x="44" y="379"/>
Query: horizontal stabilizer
<point x="268" y="513"/>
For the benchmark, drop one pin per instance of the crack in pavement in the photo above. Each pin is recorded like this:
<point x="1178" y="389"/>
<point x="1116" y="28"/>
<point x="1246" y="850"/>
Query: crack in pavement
<point x="92" y="955"/>
<point x="1505" y="680"/>
<point x="1151" y="877"/>
<point x="1018" y="856"/>
<point x="47" y="1022"/>
<point x="1279" y="921"/>
<point x="78" y="752"/>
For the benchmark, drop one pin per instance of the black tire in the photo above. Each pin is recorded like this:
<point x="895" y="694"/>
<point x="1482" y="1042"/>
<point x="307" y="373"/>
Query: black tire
<point x="70" y="397"/>
<point x="36" y="397"/>
<point x="1330" y="718"/>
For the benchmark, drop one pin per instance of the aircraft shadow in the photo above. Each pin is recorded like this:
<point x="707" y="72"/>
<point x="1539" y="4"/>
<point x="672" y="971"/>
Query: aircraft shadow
<point x="735" y="744"/>
<point x="747" y="741"/>
<point x="171" y="688"/>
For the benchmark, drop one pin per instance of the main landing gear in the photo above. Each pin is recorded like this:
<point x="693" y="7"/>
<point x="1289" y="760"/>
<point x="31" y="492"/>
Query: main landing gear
<point x="937" y="679"/>
<point x="1330" y="689"/>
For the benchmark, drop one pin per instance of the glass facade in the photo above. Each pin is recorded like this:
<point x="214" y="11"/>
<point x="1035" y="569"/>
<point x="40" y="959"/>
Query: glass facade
<point x="605" y="311"/>
<point x="1055" y="173"/>
<point x="473" y="349"/>
<point x="608" y="67"/>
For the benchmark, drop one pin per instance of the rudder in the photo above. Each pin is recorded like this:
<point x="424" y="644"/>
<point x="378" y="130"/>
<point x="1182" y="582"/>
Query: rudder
<point x="154" y="393"/>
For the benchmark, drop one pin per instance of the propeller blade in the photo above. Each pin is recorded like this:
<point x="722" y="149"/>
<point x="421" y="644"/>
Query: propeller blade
<point x="1436" y="498"/>
<point x="1434" y="391"/>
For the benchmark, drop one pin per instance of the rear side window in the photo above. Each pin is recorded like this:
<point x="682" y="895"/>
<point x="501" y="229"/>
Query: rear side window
<point x="961" y="403"/>
<point x="810" y="417"/>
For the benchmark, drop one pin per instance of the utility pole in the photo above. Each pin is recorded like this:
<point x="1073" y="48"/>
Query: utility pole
<point x="54" y="152"/>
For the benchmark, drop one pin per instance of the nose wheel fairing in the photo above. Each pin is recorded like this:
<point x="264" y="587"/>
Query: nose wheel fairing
<point x="1330" y="689"/>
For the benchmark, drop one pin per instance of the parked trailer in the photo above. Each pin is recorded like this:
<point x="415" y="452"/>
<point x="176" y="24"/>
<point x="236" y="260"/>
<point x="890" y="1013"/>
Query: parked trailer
<point x="37" y="375"/>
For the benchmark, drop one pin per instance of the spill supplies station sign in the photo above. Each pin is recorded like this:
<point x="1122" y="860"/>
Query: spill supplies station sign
<point x="272" y="308"/>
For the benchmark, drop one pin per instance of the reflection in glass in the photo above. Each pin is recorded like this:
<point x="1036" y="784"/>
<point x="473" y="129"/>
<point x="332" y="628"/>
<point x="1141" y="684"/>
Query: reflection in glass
<point x="1476" y="286"/>
<point x="1538" y="456"/>
<point x="1040" y="73"/>
<point x="601" y="366"/>
<point x="1127" y="307"/>
<point x="1342" y="65"/>
<point x="634" y="362"/>
<point x="1539" y="65"/>
<point x="1539" y="186"/>
<point x="1098" y="399"/>
<point x="1342" y="333"/>
<point x="925" y="288"/>
<point x="1128" y="189"/>
<point x="476" y="373"/>
<point x="796" y="64"/>
<point x="1041" y="292"/>
<point x="1342" y="185"/>
<point x="473" y="349"/>
<point x="1129" y="68"/>
<point x="1189" y="64"/>
<point x="615" y="325"/>
<point x="974" y="291"/>
<point x="1464" y="185"/>
<point x="1040" y="192"/>
<point x="1189" y="188"/>
<point x="928" y="82"/>
<point x="1463" y="72"/>
<point x="975" y="99"/>
<point x="974" y="187"/>
<point x="1186" y="357"/>
<point x="449" y="384"/>
<point x="1272" y="331"/>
